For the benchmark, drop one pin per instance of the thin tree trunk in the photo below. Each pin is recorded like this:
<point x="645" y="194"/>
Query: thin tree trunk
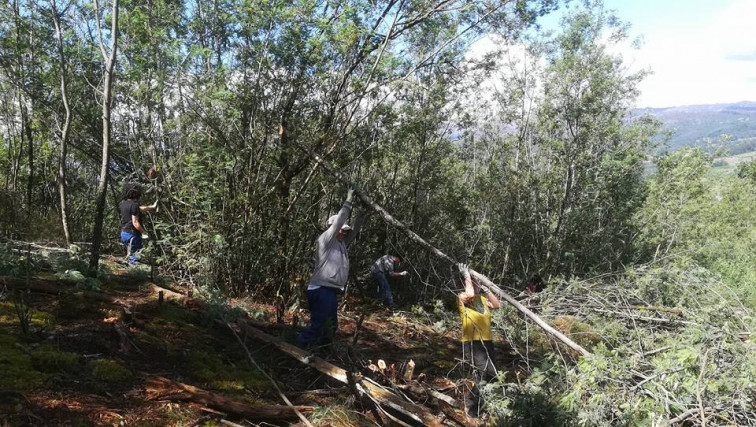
<point x="66" y="125"/>
<point x="106" y="107"/>
<point x="29" y="132"/>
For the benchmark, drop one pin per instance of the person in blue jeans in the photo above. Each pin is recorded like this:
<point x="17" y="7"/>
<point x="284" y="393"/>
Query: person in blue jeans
<point x="132" y="229"/>
<point x="329" y="275"/>
<point x="381" y="268"/>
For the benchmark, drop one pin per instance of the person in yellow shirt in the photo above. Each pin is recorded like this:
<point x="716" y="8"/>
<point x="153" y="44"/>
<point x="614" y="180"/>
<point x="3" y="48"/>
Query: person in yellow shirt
<point x="475" y="305"/>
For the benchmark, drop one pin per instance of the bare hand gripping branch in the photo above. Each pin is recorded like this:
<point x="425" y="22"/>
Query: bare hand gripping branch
<point x="481" y="279"/>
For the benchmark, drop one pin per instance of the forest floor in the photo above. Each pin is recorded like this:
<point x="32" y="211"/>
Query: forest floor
<point x="73" y="367"/>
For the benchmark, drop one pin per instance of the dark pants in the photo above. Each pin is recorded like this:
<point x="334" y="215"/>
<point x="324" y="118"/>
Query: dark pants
<point x="479" y="354"/>
<point x="323" y="317"/>
<point x="133" y="243"/>
<point x="383" y="287"/>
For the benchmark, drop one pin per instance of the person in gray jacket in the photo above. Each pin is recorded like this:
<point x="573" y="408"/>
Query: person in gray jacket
<point x="329" y="275"/>
<point x="381" y="268"/>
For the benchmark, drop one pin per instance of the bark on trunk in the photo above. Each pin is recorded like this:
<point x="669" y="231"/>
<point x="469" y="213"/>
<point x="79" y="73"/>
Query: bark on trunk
<point x="102" y="187"/>
<point x="66" y="125"/>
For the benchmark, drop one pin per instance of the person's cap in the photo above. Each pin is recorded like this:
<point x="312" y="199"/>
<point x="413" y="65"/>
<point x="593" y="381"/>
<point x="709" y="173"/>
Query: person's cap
<point x="332" y="219"/>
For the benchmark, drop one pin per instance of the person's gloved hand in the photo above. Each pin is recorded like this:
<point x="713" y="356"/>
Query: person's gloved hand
<point x="350" y="193"/>
<point x="404" y="273"/>
<point x="464" y="270"/>
<point x="154" y="205"/>
<point x="145" y="236"/>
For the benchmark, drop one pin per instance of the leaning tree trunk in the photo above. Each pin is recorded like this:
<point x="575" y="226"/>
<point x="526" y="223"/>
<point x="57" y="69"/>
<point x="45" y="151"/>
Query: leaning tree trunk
<point x="102" y="188"/>
<point x="66" y="125"/>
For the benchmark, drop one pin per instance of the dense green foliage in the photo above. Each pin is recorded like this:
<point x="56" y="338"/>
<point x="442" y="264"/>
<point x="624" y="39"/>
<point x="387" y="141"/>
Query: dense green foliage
<point x="520" y="160"/>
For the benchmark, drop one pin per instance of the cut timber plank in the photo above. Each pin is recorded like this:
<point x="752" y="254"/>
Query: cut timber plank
<point x="160" y="388"/>
<point x="418" y="414"/>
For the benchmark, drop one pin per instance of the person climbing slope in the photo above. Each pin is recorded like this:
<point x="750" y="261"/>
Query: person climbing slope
<point x="132" y="228"/>
<point x="381" y="269"/>
<point x="475" y="304"/>
<point x="329" y="275"/>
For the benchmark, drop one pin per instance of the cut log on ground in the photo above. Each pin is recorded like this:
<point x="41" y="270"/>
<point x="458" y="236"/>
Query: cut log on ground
<point x="160" y="388"/>
<point x="409" y="412"/>
<point x="446" y="404"/>
<point x="481" y="279"/>
<point x="164" y="294"/>
<point x="54" y="287"/>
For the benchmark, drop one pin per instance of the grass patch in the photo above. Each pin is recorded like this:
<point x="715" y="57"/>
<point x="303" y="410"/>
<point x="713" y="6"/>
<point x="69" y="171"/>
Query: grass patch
<point x="51" y="360"/>
<point x="211" y="369"/>
<point x="9" y="317"/>
<point x="109" y="371"/>
<point x="17" y="367"/>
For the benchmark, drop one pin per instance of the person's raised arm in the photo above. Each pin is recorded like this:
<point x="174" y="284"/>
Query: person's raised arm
<point x="469" y="290"/>
<point x="333" y="229"/>
<point x="148" y="208"/>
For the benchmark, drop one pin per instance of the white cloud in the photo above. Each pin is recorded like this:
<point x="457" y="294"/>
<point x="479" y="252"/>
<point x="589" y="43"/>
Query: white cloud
<point x="713" y="63"/>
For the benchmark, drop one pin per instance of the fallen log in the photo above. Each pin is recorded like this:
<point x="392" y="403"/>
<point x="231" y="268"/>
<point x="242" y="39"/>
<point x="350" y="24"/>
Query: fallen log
<point x="161" y="388"/>
<point x="448" y="405"/>
<point x="417" y="414"/>
<point x="481" y="279"/>
<point x="53" y="287"/>
<point x="167" y="294"/>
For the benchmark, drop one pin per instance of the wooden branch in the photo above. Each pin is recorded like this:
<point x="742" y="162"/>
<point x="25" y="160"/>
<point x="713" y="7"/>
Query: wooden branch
<point x="684" y="416"/>
<point x="265" y="374"/>
<point x="410" y="412"/>
<point x="167" y="294"/>
<point x="448" y="405"/>
<point x="481" y="279"/>
<point x="160" y="388"/>
<point x="54" y="287"/>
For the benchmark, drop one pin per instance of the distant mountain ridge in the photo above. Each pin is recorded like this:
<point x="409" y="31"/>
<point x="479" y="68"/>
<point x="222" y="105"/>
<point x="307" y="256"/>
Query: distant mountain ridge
<point x="695" y="125"/>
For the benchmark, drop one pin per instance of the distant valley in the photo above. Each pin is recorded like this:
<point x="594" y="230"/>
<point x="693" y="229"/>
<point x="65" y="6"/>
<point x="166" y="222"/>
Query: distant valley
<point x="702" y="125"/>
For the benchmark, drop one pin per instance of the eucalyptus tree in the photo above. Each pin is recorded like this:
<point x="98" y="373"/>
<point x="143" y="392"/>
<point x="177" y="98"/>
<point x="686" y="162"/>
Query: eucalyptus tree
<point x="565" y="167"/>
<point x="65" y="130"/>
<point x="109" y="57"/>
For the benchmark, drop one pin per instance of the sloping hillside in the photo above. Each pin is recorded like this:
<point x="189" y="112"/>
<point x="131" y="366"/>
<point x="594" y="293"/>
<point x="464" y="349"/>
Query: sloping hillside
<point x="695" y="125"/>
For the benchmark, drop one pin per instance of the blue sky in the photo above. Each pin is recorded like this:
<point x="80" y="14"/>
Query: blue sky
<point x="701" y="51"/>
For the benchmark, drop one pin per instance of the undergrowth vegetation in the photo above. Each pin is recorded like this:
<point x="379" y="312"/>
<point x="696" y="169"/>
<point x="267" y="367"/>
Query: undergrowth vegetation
<point x="664" y="339"/>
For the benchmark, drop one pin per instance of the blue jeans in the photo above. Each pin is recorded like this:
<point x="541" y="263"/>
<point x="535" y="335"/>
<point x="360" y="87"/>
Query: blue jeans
<point x="323" y="316"/>
<point x="136" y="245"/>
<point x="383" y="287"/>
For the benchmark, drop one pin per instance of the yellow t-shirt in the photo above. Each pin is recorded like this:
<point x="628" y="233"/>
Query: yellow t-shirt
<point x="476" y="319"/>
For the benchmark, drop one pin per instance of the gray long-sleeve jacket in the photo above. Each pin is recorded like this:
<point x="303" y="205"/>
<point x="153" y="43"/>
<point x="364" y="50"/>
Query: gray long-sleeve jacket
<point x="331" y="258"/>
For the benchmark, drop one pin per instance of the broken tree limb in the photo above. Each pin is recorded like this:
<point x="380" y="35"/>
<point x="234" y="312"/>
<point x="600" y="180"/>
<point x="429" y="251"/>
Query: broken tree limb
<point x="167" y="294"/>
<point x="265" y="374"/>
<point x="417" y="414"/>
<point x="481" y="279"/>
<point x="160" y="388"/>
<point x="53" y="287"/>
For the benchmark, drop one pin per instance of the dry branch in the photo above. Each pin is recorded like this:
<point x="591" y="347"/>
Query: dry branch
<point x="411" y="412"/>
<point x="160" y="388"/>
<point x="481" y="279"/>
<point x="54" y="287"/>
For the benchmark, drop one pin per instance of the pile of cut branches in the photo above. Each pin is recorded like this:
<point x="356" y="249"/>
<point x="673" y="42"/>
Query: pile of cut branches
<point x="669" y="344"/>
